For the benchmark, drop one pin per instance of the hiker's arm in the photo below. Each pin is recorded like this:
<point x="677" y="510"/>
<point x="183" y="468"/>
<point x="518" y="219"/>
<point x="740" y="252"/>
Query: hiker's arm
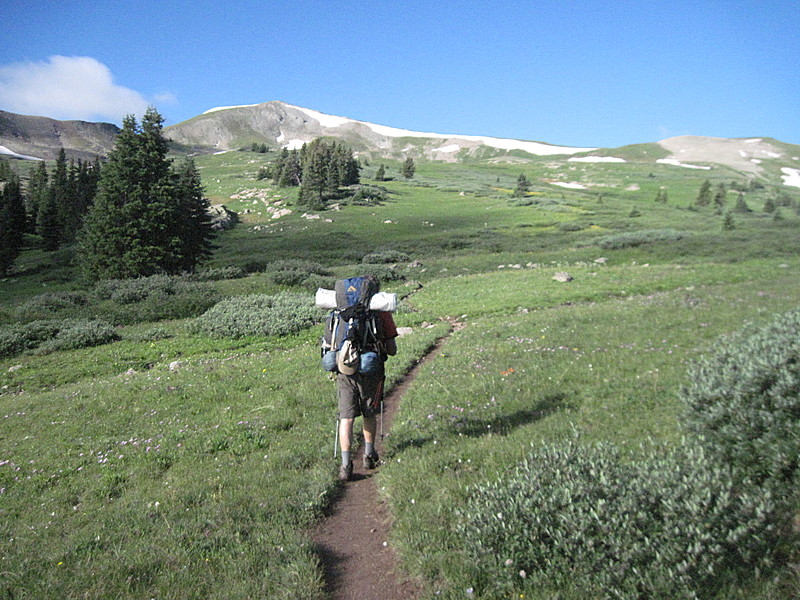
<point x="390" y="346"/>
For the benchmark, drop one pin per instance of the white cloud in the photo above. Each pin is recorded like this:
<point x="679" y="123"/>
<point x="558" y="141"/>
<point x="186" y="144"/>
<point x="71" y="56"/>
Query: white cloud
<point x="67" y="87"/>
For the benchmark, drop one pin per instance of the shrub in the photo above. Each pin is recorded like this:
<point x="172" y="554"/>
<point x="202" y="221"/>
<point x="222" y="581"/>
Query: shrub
<point x="217" y="274"/>
<point x="386" y="257"/>
<point x="259" y="314"/>
<point x="383" y="273"/>
<point x="295" y="272"/>
<point x="15" y="339"/>
<point x="637" y="238"/>
<point x="52" y="335"/>
<point x="44" y="305"/>
<point x="579" y="518"/>
<point x="744" y="400"/>
<point x="80" y="334"/>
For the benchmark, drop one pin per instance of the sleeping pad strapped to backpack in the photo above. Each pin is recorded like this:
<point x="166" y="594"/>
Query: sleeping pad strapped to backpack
<point x="351" y="341"/>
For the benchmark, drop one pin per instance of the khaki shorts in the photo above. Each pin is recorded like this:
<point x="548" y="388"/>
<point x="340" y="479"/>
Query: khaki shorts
<point x="359" y="394"/>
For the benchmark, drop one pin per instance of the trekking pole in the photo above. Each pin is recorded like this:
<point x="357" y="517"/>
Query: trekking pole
<point x="336" y="437"/>
<point x="381" y="419"/>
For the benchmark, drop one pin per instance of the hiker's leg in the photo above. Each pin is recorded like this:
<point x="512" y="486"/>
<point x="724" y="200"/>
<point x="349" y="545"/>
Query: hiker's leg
<point x="345" y="433"/>
<point x="370" y="427"/>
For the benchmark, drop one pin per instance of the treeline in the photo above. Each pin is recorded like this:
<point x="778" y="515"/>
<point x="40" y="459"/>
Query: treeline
<point x="320" y="169"/>
<point x="137" y="214"/>
<point x="52" y="205"/>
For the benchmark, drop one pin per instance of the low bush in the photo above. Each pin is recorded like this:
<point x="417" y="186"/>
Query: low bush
<point x="259" y="314"/>
<point x="386" y="257"/>
<point x="218" y="274"/>
<point x="50" y="335"/>
<point x="637" y="238"/>
<point x="743" y="400"/>
<point x="45" y="305"/>
<point x="80" y="334"/>
<point x="579" y="518"/>
<point x="383" y="273"/>
<point x="294" y="272"/>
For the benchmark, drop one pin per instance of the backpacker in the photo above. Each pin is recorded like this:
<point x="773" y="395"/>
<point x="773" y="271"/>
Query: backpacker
<point x="351" y="341"/>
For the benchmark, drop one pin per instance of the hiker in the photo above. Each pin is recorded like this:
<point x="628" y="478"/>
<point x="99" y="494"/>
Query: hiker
<point x="370" y="335"/>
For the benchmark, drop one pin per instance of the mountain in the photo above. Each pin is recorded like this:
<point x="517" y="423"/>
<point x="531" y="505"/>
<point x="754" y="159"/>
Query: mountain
<point x="24" y="136"/>
<point x="280" y="124"/>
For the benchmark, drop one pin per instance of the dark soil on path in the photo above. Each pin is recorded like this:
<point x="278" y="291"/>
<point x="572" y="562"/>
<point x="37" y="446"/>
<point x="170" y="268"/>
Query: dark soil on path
<point x="353" y="541"/>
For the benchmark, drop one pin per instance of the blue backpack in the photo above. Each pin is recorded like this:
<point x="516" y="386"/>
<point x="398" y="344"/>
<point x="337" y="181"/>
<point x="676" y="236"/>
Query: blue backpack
<point x="352" y="321"/>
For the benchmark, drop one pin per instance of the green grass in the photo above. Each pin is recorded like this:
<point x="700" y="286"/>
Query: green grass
<point x="120" y="477"/>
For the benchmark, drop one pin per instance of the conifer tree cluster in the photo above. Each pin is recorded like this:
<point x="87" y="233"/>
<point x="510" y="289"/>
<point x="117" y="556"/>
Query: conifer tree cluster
<point x="319" y="168"/>
<point x="57" y="202"/>
<point x="149" y="216"/>
<point x="12" y="218"/>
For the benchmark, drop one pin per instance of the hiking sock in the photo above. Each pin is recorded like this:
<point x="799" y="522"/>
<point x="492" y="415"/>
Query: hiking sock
<point x="345" y="457"/>
<point x="369" y="448"/>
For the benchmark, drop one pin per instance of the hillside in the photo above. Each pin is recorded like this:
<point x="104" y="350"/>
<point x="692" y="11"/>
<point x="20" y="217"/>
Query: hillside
<point x="189" y="452"/>
<point x="41" y="137"/>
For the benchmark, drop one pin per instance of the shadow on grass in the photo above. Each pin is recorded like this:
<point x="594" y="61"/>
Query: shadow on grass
<point x="499" y="425"/>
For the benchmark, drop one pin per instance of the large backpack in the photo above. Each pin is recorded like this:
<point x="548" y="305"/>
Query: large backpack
<point x="351" y="328"/>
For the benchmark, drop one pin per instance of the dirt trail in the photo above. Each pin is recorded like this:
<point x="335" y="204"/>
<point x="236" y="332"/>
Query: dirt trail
<point x="352" y="541"/>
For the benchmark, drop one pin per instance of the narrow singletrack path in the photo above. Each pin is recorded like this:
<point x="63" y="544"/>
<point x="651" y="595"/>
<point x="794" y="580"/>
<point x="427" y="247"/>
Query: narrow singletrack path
<point x="353" y="540"/>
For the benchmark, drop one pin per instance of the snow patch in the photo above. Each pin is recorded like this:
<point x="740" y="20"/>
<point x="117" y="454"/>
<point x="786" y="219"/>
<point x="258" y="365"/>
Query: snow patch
<point x="324" y="120"/>
<point x="295" y="144"/>
<point x="572" y="185"/>
<point x="218" y="108"/>
<point x="449" y="148"/>
<point x="5" y="151"/>
<point x="791" y="177"/>
<point x="596" y="159"/>
<point x="536" y="148"/>
<point x="752" y="141"/>
<point x="677" y="163"/>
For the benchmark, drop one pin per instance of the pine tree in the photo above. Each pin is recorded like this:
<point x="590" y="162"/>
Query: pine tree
<point x="728" y="224"/>
<point x="769" y="205"/>
<point x="135" y="226"/>
<point x="37" y="194"/>
<point x="704" y="195"/>
<point x="192" y="227"/>
<point x="12" y="221"/>
<point x="741" y="204"/>
<point x="380" y="175"/>
<point x="523" y="185"/>
<point x="408" y="168"/>
<point x="720" y="198"/>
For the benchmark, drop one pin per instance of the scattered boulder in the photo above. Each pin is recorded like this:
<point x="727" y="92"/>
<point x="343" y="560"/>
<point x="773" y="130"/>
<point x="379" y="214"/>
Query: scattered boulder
<point x="563" y="277"/>
<point x="221" y="217"/>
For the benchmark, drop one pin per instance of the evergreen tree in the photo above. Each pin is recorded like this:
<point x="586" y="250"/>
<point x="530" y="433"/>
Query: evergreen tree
<point x="661" y="196"/>
<point x="12" y="221"/>
<point x="728" y="224"/>
<point x="191" y="231"/>
<point x="741" y="204"/>
<point x="409" y="168"/>
<point x="135" y="226"/>
<point x="380" y="175"/>
<point x="769" y="205"/>
<point x="720" y="198"/>
<point x="704" y="195"/>
<point x="523" y="185"/>
<point x="37" y="194"/>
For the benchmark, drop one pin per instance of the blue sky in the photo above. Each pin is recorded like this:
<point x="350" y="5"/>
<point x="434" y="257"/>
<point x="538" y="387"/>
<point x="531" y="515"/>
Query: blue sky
<point x="575" y="73"/>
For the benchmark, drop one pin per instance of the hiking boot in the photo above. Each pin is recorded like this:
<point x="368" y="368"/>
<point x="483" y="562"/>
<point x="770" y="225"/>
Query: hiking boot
<point x="371" y="460"/>
<point x="346" y="472"/>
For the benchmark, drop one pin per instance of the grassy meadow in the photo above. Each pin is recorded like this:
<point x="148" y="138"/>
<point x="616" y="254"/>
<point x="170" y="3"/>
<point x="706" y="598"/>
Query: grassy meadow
<point x="172" y="464"/>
